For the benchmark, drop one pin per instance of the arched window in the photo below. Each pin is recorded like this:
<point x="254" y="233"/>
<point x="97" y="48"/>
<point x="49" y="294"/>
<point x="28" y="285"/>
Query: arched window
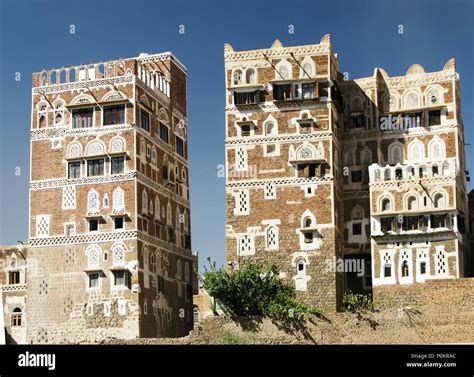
<point x="436" y="150"/>
<point x="237" y="79"/>
<point x="416" y="151"/>
<point x="272" y="237"/>
<point x="179" y="270"/>
<point x="93" y="201"/>
<point x="250" y="76"/>
<point x="387" y="174"/>
<point x="144" y="202"/>
<point x="283" y="70"/>
<point x="169" y="215"/>
<point x="16" y="317"/>
<point x="386" y="204"/>
<point x="94" y="255"/>
<point x="157" y="208"/>
<point x="118" y="200"/>
<point x="118" y="254"/>
<point x="405" y="269"/>
<point x="438" y="200"/>
<point x="395" y="153"/>
<point x="412" y="99"/>
<point x="187" y="276"/>
<point x="412" y="203"/>
<point x="59" y="113"/>
<point x="153" y="155"/>
<point x="165" y="168"/>
<point x="433" y="96"/>
<point x="300" y="267"/>
<point x="365" y="157"/>
<point x="270" y="129"/>
<point x="308" y="222"/>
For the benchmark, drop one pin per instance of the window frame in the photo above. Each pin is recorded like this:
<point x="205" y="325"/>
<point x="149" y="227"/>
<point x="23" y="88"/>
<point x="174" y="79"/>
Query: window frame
<point x="113" y="109"/>
<point x="179" y="141"/>
<point x="147" y="117"/>
<point x="114" y="158"/>
<point x="75" y="121"/>
<point x="93" y="160"/>
<point x="69" y="169"/>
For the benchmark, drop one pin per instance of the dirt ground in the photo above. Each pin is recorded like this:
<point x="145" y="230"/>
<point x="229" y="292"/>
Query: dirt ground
<point x="424" y="325"/>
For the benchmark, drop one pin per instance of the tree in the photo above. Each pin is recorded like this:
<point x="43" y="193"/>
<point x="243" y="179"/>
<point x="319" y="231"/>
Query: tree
<point x="254" y="291"/>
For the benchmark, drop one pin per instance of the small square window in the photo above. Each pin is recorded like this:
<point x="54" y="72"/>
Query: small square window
<point x="308" y="237"/>
<point x="245" y="130"/>
<point x="387" y="271"/>
<point x="93" y="225"/>
<point x="122" y="278"/>
<point x="118" y="222"/>
<point x="357" y="229"/>
<point x="356" y="176"/>
<point x="94" y="280"/>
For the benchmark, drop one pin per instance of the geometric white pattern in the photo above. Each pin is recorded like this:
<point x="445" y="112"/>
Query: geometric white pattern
<point x="241" y="157"/>
<point x="272" y="238"/>
<point x="441" y="263"/>
<point x="246" y="245"/>
<point x="242" y="202"/>
<point x="270" y="191"/>
<point x="118" y="252"/>
<point x="69" y="197"/>
<point x="42" y="225"/>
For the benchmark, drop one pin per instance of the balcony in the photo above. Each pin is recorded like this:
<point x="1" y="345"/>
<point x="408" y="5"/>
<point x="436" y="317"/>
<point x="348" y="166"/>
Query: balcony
<point x="412" y="224"/>
<point x="415" y="171"/>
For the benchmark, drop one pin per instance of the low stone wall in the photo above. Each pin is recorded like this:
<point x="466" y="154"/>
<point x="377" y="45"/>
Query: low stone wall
<point x="459" y="292"/>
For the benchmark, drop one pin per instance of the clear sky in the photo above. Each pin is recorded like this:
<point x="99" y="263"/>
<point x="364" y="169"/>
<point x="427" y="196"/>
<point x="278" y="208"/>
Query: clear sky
<point x="36" y="35"/>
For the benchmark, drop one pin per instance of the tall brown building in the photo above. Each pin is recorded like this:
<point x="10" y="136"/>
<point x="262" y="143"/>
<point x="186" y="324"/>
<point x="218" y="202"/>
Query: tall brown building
<point x="109" y="251"/>
<point x="347" y="185"/>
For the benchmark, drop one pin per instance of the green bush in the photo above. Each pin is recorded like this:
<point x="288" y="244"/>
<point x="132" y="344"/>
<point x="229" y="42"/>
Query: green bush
<point x="254" y="291"/>
<point x="355" y="302"/>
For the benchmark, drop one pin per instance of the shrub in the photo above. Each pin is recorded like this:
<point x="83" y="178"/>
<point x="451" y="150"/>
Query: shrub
<point x="254" y="291"/>
<point x="355" y="302"/>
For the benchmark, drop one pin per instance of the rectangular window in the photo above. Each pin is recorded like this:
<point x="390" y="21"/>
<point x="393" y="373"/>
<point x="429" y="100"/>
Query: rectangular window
<point x="16" y="319"/>
<point x="282" y="92"/>
<point x="308" y="237"/>
<point x="14" y="277"/>
<point x="386" y="223"/>
<point x="387" y="271"/>
<point x="356" y="176"/>
<point x="245" y="98"/>
<point x="74" y="169"/>
<point x="95" y="167"/>
<point x="422" y="268"/>
<point x="164" y="133"/>
<point x="144" y="120"/>
<point x="160" y="283"/>
<point x="94" y="280"/>
<point x="114" y="115"/>
<point x="117" y="165"/>
<point x="83" y="118"/>
<point x="308" y="90"/>
<point x="179" y="146"/>
<point x="245" y="130"/>
<point x="122" y="278"/>
<point x="93" y="225"/>
<point x="434" y="118"/>
<point x="358" y="121"/>
<point x="118" y="222"/>
<point x="70" y="229"/>
<point x="305" y="128"/>
<point x="357" y="229"/>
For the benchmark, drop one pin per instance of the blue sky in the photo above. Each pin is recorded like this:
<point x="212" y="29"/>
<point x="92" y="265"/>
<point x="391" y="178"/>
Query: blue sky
<point x="35" y="35"/>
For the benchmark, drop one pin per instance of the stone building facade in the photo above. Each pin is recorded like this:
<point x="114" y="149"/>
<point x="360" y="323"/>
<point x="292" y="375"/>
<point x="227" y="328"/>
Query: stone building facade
<point x="321" y="173"/>
<point x="13" y="270"/>
<point x="109" y="250"/>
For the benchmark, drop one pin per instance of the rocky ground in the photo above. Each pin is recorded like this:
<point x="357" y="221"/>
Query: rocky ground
<point x="424" y="325"/>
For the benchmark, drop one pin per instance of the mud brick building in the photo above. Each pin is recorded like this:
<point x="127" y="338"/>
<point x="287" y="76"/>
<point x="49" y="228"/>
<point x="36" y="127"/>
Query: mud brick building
<point x="315" y="175"/>
<point x="109" y="250"/>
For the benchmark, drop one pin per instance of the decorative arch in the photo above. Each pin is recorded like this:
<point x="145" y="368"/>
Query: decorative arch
<point x="144" y="100"/>
<point x="250" y="76"/>
<point x="113" y="95"/>
<point x="357" y="212"/>
<point x="82" y="99"/>
<point x="308" y="151"/>
<point x="118" y="200"/>
<point x="163" y="116"/>
<point x="95" y="148"/>
<point x="144" y="202"/>
<point x="94" y="255"/>
<point x="117" y="145"/>
<point x="395" y="153"/>
<point x="434" y="95"/>
<point x="436" y="149"/>
<point x="118" y="253"/>
<point x="416" y="151"/>
<point x="365" y="156"/>
<point x="283" y="70"/>
<point x="308" y="219"/>
<point x="74" y="150"/>
<point x="386" y="203"/>
<point x="157" y="208"/>
<point x="169" y="215"/>
<point x="237" y="77"/>
<point x="411" y="99"/>
<point x="307" y="65"/>
<point x="93" y="201"/>
<point x="411" y="201"/>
